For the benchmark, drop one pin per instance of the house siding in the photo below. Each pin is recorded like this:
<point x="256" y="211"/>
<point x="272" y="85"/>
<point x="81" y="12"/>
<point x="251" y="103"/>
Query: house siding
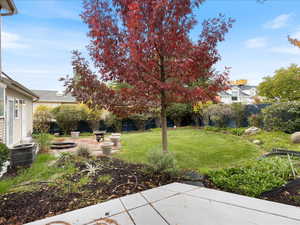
<point x="2" y="131"/>
<point x="17" y="122"/>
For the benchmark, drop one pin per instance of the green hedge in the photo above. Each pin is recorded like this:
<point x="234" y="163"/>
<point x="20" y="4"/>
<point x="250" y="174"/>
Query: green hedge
<point x="282" y="116"/>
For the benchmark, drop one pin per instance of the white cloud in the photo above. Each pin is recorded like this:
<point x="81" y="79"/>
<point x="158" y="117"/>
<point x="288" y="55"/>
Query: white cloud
<point x="279" y="21"/>
<point x="258" y="42"/>
<point x="296" y="35"/>
<point x="286" y="50"/>
<point x="12" y="41"/>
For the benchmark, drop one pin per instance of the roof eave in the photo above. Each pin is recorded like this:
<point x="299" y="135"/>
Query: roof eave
<point x="13" y="9"/>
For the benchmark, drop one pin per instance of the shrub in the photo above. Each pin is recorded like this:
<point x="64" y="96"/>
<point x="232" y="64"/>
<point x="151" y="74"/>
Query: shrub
<point x="177" y="111"/>
<point x="83" y="151"/>
<point x="139" y="120"/>
<point x="92" y="116"/>
<point x="255" y="178"/>
<point x="255" y="120"/>
<point x="44" y="141"/>
<point x="41" y="119"/>
<point x="4" y="152"/>
<point x="68" y="116"/>
<point x="236" y="131"/>
<point x="282" y="116"/>
<point x="160" y="162"/>
<point x="238" y="113"/>
<point x="219" y="114"/>
<point x="114" y="122"/>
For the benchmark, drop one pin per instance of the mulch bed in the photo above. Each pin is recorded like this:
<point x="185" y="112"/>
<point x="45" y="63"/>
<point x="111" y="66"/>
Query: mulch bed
<point x="67" y="193"/>
<point x="52" y="199"/>
<point x="288" y="194"/>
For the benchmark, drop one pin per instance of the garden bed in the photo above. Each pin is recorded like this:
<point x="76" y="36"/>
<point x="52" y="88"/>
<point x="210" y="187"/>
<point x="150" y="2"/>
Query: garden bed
<point x="269" y="178"/>
<point x="95" y="182"/>
<point x="288" y="194"/>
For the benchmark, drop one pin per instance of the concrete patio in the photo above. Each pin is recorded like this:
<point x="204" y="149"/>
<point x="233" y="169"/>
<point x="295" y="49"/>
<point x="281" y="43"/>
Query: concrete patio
<point x="180" y="204"/>
<point x="89" y="142"/>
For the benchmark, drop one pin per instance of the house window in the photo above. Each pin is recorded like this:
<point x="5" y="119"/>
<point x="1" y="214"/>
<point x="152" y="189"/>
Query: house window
<point x="234" y="96"/>
<point x="16" y="108"/>
<point x="1" y="101"/>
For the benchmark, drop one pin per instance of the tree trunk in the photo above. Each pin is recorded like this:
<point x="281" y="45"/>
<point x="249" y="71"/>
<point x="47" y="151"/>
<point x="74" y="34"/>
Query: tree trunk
<point x="163" y="112"/>
<point x="163" y="118"/>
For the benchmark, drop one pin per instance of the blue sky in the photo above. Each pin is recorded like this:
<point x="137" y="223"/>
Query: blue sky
<point x="38" y="40"/>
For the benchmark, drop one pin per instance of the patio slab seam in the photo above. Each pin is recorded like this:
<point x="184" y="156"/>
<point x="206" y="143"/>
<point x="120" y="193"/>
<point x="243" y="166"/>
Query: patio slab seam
<point x="244" y="207"/>
<point x="126" y="210"/>
<point x="149" y="203"/>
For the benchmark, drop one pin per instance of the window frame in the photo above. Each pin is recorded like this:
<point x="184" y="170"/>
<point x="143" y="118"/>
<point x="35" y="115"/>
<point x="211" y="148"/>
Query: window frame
<point x="16" y="109"/>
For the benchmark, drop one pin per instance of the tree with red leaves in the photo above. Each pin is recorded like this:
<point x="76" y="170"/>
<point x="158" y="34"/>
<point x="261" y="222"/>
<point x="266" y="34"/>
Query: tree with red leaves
<point x="145" y="47"/>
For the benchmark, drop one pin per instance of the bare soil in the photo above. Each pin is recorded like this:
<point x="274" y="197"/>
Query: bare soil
<point x="70" y="194"/>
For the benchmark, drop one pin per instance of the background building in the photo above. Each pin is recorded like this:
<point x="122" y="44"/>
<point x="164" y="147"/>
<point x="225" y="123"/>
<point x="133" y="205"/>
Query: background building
<point x="52" y="98"/>
<point x="239" y="92"/>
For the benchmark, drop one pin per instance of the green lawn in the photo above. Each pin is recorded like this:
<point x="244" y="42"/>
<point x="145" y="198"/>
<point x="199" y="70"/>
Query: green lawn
<point x="41" y="170"/>
<point x="193" y="148"/>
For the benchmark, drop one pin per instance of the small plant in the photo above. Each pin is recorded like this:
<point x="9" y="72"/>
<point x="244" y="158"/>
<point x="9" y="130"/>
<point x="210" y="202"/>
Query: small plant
<point x="254" y="178"/>
<point x="160" y="162"/>
<point x="83" y="151"/>
<point x="236" y="131"/>
<point x="44" y="141"/>
<point x="83" y="181"/>
<point x="91" y="169"/>
<point x="65" y="158"/>
<point x="255" y="120"/>
<point x="4" y="152"/>
<point x="106" y="179"/>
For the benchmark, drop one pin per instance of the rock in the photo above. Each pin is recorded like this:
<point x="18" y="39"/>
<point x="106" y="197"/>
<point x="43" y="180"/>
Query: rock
<point x="295" y="138"/>
<point x="257" y="142"/>
<point x="195" y="183"/>
<point x="252" y="130"/>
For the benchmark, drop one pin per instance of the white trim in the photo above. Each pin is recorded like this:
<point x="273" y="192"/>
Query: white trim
<point x="9" y="98"/>
<point x="16" y="103"/>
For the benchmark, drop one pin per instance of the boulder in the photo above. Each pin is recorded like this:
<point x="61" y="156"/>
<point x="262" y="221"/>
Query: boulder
<point x="295" y="138"/>
<point x="257" y="142"/>
<point x="252" y="130"/>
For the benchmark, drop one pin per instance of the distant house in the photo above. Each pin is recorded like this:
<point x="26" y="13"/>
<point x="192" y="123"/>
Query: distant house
<point x="52" y="98"/>
<point x="239" y="94"/>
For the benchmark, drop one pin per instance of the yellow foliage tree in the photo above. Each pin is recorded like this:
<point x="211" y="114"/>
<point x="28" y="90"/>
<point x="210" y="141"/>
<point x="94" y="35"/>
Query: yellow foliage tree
<point x="294" y="41"/>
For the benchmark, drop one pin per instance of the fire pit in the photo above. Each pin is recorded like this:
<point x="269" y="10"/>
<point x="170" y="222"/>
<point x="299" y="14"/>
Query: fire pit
<point x="63" y="145"/>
